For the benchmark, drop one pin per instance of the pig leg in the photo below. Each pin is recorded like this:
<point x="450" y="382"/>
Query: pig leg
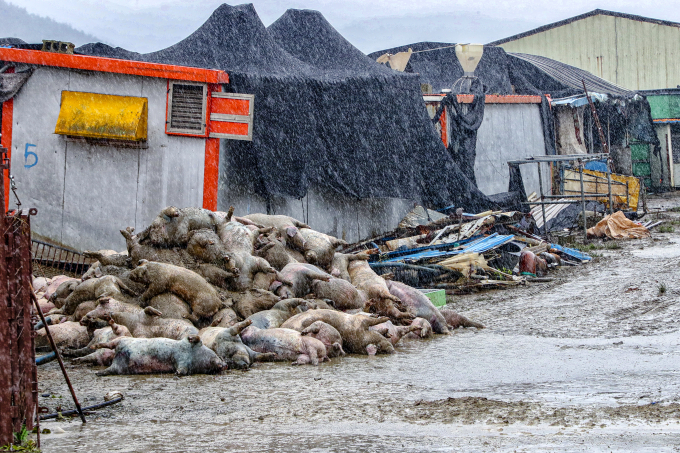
<point x="101" y="357"/>
<point x="313" y="275"/>
<point x="238" y="327"/>
<point x="371" y="321"/>
<point x="303" y="359"/>
<point x="261" y="265"/>
<point x="260" y="356"/>
<point x="123" y="287"/>
<point x="69" y="352"/>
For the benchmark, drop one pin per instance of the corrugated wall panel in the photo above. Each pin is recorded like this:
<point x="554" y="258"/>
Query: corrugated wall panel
<point x="634" y="54"/>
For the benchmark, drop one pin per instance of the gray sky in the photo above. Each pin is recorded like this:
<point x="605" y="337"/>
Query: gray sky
<point x="148" y="25"/>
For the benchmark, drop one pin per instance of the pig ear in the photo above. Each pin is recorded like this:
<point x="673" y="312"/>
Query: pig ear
<point x="275" y="285"/>
<point x="152" y="311"/>
<point x="142" y="262"/>
<point x="104" y="300"/>
<point x="338" y="242"/>
<point x="291" y="231"/>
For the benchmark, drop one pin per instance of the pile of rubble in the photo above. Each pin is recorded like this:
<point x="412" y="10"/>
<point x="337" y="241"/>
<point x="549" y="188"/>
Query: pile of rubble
<point x="462" y="252"/>
<point x="200" y="291"/>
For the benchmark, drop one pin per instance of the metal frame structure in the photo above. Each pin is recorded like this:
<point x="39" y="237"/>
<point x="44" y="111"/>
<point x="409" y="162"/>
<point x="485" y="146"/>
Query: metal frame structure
<point x="580" y="160"/>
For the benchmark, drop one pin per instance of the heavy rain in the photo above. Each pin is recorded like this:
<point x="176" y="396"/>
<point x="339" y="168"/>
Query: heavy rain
<point x="262" y="238"/>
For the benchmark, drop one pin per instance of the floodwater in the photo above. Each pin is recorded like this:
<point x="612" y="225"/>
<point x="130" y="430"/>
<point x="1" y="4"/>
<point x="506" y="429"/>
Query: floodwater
<point x="588" y="362"/>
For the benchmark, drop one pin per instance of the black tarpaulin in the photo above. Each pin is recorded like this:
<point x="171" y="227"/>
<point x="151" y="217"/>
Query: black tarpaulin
<point x="325" y="114"/>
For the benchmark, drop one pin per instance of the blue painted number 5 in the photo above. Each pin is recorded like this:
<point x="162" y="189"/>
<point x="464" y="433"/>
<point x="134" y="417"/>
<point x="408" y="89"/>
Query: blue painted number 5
<point x="28" y="154"/>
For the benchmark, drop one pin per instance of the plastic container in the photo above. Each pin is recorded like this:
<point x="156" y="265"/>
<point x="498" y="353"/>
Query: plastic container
<point x="436" y="296"/>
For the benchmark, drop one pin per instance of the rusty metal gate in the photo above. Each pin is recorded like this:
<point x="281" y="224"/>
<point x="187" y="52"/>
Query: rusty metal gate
<point x="18" y="374"/>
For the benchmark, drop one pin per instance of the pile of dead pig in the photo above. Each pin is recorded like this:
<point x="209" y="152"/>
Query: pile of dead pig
<point x="201" y="291"/>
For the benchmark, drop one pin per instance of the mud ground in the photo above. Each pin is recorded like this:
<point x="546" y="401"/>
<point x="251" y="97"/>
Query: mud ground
<point x="588" y="362"/>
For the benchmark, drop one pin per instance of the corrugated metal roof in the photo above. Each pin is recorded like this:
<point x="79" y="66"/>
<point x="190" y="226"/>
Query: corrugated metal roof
<point x="595" y="12"/>
<point x="573" y="76"/>
<point x="478" y="246"/>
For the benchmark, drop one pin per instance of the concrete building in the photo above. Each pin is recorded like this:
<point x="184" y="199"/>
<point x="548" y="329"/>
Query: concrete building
<point x="635" y="52"/>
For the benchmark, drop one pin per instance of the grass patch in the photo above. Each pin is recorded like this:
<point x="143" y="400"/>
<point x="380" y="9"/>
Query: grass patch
<point x="675" y="209"/>
<point x="612" y="246"/>
<point x="588" y="247"/>
<point x="662" y="289"/>
<point x="666" y="229"/>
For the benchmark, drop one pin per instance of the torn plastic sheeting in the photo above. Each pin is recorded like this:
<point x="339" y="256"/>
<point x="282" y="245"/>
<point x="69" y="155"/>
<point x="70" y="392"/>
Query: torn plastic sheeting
<point x="481" y="245"/>
<point x="617" y="226"/>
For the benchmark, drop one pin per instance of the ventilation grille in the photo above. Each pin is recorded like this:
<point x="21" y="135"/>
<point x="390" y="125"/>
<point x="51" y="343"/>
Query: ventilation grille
<point x="187" y="112"/>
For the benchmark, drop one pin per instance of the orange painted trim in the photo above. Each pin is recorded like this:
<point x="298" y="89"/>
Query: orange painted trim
<point x="112" y="65"/>
<point x="228" y="127"/>
<point x="496" y="99"/>
<point x="444" y="129"/>
<point x="6" y="142"/>
<point x="211" y="167"/>
<point x="231" y="106"/>
<point x="211" y="173"/>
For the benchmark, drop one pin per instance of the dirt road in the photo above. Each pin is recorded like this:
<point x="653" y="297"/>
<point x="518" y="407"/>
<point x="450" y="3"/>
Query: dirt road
<point x="589" y="362"/>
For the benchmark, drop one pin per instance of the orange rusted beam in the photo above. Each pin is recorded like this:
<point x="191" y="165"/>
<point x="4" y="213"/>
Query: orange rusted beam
<point x="112" y="65"/>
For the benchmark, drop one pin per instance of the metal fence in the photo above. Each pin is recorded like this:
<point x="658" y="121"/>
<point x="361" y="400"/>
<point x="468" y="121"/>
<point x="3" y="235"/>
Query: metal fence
<point x="59" y="258"/>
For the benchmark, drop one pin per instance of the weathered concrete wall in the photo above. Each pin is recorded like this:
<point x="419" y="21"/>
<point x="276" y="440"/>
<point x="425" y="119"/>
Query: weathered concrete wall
<point x="86" y="193"/>
<point x="509" y="132"/>
<point x="345" y="218"/>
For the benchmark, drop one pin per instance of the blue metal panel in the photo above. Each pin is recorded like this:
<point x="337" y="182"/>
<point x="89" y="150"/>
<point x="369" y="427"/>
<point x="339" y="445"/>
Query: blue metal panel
<point x="571" y="252"/>
<point x="478" y="246"/>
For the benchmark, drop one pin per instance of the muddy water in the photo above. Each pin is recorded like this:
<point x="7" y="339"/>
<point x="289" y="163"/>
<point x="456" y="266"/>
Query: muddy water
<point x="589" y="362"/>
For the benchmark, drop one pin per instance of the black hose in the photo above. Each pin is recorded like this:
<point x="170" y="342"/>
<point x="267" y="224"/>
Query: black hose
<point x="39" y="325"/>
<point x="89" y="408"/>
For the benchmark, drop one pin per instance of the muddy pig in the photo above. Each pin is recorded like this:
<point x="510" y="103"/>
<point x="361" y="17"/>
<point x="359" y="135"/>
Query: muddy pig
<point x="228" y="346"/>
<point x="277" y="254"/>
<point x="186" y="284"/>
<point x="295" y="280"/>
<point x="162" y="355"/>
<point x="422" y="329"/>
<point x="354" y="329"/>
<point x="66" y="334"/>
<point x="340" y="264"/>
<point x="138" y="251"/>
<point x="419" y="304"/>
<point x="251" y="301"/>
<point x="100" y="336"/>
<point x="380" y="299"/>
<point x="328" y="335"/>
<point x="93" y="289"/>
<point x="172" y="226"/>
<point x="287" y="227"/>
<point x="343" y="294"/>
<point x="319" y="248"/>
<point x="287" y="344"/>
<point x="392" y="332"/>
<point x="277" y="315"/>
<point x="148" y="323"/>
<point x="105" y="306"/>
<point x="226" y="317"/>
<point x="171" y="306"/>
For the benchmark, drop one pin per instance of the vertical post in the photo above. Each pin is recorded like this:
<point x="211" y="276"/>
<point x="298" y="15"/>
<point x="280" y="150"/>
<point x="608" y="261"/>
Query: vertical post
<point x="609" y="191"/>
<point x="540" y="189"/>
<point x="56" y="352"/>
<point x="583" y="204"/>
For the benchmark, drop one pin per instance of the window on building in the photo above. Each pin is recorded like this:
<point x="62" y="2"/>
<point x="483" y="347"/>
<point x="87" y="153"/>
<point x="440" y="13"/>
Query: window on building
<point x="187" y="103"/>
